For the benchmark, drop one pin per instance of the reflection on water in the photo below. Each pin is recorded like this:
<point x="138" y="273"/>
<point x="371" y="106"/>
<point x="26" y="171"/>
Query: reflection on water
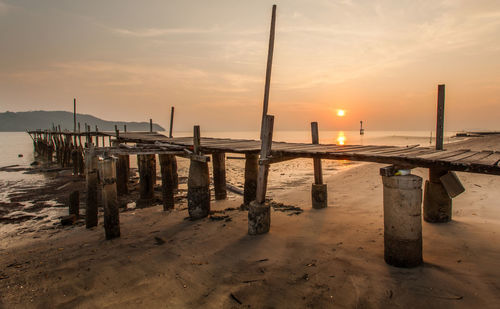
<point x="341" y="138"/>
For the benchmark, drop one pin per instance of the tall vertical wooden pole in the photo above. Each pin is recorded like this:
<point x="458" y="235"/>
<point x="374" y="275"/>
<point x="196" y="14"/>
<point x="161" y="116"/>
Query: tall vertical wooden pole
<point x="74" y="114"/>
<point x="171" y="122"/>
<point x="150" y="125"/>
<point x="319" y="191"/>
<point x="437" y="203"/>
<point x="268" y="71"/>
<point x="440" y="118"/>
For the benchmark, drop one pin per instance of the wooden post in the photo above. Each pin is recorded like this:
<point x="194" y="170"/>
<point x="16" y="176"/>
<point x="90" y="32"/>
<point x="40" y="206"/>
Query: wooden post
<point x="171" y="122"/>
<point x="251" y="174"/>
<point x="402" y="220"/>
<point x="268" y="70"/>
<point x="91" y="177"/>
<point x="198" y="183"/>
<point x="74" y="114"/>
<point x="107" y="170"/>
<point x="219" y="168"/>
<point x="440" y="118"/>
<point x="125" y="128"/>
<point x="150" y="125"/>
<point x="74" y="204"/>
<point x="122" y="174"/>
<point x="319" y="191"/>
<point x="167" y="180"/>
<point x="437" y="203"/>
<point x="147" y="179"/>
<point x="259" y="215"/>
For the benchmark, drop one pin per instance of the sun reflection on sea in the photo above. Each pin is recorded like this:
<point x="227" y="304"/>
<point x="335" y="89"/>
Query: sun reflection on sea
<point x="341" y="138"/>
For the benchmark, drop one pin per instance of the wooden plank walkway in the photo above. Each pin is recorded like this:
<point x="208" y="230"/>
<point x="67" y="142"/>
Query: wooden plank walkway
<point x="465" y="160"/>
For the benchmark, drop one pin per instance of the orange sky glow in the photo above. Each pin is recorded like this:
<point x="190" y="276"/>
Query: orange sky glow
<point x="380" y="61"/>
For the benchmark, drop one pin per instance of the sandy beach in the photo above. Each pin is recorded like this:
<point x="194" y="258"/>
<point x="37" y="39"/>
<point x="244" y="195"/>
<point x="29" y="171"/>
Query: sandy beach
<point x="330" y="258"/>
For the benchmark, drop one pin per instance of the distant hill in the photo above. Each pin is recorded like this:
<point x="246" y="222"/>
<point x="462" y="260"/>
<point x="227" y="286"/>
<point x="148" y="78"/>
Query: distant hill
<point x="21" y="121"/>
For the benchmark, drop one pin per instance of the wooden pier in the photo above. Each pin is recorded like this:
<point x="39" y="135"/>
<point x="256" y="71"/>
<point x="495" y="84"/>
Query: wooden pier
<point x="107" y="156"/>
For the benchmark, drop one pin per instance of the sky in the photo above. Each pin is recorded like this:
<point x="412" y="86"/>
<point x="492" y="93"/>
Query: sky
<point x="380" y="61"/>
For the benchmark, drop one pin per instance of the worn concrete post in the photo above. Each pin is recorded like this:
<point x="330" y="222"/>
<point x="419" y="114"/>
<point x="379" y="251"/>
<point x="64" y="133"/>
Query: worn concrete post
<point x="122" y="174"/>
<point x="437" y="203"/>
<point x="107" y="169"/>
<point x="147" y="179"/>
<point x="319" y="191"/>
<point x="91" y="211"/>
<point x="251" y="173"/>
<point x="167" y="180"/>
<point x="198" y="183"/>
<point x="74" y="203"/>
<point x="402" y="220"/>
<point x="219" y="168"/>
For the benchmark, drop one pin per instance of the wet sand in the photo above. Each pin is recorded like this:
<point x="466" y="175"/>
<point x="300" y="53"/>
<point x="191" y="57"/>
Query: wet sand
<point x="319" y="258"/>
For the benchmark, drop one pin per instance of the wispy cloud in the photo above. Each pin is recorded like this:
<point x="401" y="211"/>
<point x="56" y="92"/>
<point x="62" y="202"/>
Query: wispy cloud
<point x="158" y="32"/>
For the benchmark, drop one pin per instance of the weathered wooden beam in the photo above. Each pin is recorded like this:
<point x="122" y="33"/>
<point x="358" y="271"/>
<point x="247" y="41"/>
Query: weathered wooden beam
<point x="259" y="215"/>
<point x="268" y="69"/>
<point x="251" y="174"/>
<point x="147" y="179"/>
<point x="107" y="170"/>
<point x="219" y="175"/>
<point x="319" y="191"/>
<point x="167" y="180"/>
<point x="171" y="122"/>
<point x="91" y="181"/>
<point x="122" y="174"/>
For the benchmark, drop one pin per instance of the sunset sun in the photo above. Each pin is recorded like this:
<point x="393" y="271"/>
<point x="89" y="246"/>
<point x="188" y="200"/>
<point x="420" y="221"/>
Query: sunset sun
<point x="340" y="112"/>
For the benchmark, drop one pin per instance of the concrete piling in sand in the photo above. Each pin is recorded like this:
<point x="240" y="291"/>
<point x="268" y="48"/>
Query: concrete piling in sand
<point x="251" y="173"/>
<point x="147" y="179"/>
<point x="319" y="195"/>
<point x="437" y="202"/>
<point x="107" y="169"/>
<point x="91" y="211"/>
<point x="198" y="183"/>
<point x="167" y="180"/>
<point x="402" y="220"/>
<point x="219" y="174"/>
<point x="122" y="174"/>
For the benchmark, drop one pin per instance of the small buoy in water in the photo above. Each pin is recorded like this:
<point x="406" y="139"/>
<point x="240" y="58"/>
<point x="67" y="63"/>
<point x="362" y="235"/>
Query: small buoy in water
<point x="20" y="155"/>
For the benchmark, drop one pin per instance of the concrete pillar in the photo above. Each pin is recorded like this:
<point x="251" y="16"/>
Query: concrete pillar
<point x="259" y="218"/>
<point x="167" y="180"/>
<point x="91" y="210"/>
<point x="107" y="169"/>
<point x="147" y="179"/>
<point x="198" y="190"/>
<point x="122" y="174"/>
<point x="251" y="173"/>
<point x="437" y="203"/>
<point x="402" y="220"/>
<point x="319" y="195"/>
<point x="219" y="168"/>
